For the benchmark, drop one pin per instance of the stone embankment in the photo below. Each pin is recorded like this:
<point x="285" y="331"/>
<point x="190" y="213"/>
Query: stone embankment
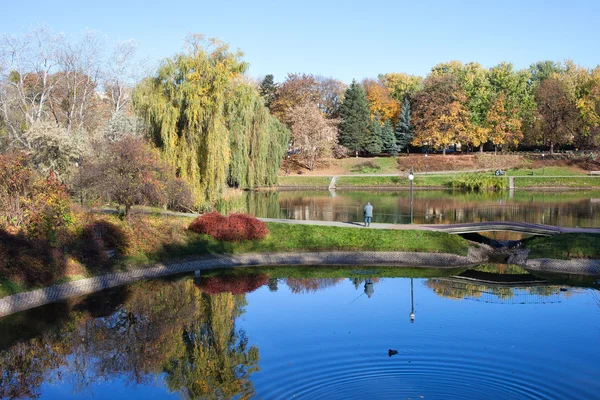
<point x="477" y="255"/>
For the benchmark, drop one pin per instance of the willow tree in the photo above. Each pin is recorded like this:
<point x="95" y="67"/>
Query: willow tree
<point x="203" y="116"/>
<point x="258" y="141"/>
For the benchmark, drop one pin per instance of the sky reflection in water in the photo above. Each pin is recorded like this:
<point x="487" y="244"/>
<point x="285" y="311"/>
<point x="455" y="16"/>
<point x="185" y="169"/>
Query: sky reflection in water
<point x="310" y="338"/>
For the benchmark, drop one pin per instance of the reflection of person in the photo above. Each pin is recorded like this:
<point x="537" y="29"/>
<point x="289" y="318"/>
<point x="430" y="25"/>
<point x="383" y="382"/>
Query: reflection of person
<point x="368" y="212"/>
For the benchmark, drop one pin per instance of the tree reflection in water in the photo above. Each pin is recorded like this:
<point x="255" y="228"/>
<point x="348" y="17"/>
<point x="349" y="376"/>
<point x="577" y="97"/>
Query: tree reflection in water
<point x="161" y="327"/>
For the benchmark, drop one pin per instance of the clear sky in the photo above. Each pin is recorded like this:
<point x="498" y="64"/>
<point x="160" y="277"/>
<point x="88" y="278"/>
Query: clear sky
<point x="342" y="39"/>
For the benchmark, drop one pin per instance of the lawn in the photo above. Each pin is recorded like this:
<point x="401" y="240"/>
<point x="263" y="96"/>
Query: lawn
<point x="548" y="171"/>
<point x="304" y="181"/>
<point x="565" y="246"/>
<point x="573" y="182"/>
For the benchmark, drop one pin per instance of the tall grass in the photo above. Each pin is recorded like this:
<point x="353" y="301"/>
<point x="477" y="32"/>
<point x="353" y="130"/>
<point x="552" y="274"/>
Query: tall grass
<point x="478" y="183"/>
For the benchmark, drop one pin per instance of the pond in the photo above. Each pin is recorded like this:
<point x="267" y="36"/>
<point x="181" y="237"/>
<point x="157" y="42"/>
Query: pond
<point x="314" y="333"/>
<point x="568" y="208"/>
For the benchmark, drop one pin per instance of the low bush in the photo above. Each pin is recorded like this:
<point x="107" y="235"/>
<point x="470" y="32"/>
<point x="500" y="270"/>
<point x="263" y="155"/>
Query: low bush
<point x="366" y="167"/>
<point x="99" y="239"/>
<point x="232" y="228"/>
<point x="29" y="262"/>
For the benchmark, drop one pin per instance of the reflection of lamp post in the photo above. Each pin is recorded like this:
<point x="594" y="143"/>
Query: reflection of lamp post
<point x="411" y="177"/>
<point x="412" y="302"/>
<point x="543" y="164"/>
<point x="426" y="165"/>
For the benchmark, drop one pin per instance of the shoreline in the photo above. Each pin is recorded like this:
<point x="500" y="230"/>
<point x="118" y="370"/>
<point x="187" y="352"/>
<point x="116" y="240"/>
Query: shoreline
<point x="477" y="255"/>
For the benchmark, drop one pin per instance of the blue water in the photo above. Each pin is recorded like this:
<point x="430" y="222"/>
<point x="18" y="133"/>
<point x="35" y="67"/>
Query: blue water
<point x="316" y="339"/>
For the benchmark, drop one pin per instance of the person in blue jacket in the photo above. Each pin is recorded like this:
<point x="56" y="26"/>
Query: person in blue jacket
<point x="368" y="212"/>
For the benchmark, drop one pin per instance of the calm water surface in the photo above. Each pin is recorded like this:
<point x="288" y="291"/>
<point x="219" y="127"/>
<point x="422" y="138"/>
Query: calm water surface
<point x="567" y="208"/>
<point x="260" y="334"/>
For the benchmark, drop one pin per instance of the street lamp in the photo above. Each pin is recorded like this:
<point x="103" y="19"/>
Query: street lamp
<point x="411" y="177"/>
<point x="78" y="165"/>
<point x="543" y="164"/>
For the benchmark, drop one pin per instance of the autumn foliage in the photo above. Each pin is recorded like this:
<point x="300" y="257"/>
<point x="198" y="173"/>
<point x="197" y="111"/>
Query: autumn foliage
<point x="232" y="283"/>
<point x="232" y="228"/>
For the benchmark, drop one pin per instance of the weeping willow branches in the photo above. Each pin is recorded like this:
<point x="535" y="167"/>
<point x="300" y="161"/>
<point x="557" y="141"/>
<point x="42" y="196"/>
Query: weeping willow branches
<point x="211" y="125"/>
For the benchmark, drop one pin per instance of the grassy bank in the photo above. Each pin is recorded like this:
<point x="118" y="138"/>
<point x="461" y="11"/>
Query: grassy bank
<point x="523" y="179"/>
<point x="559" y="182"/>
<point x="336" y="272"/>
<point x="149" y="238"/>
<point x="304" y="181"/>
<point x="565" y="246"/>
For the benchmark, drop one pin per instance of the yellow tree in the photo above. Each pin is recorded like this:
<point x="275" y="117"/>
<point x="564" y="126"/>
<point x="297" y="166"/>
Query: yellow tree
<point x="505" y="124"/>
<point x="440" y="115"/>
<point x="381" y="101"/>
<point x="401" y="85"/>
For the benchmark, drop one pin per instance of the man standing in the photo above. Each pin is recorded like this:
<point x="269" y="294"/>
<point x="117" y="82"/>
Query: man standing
<point x="368" y="212"/>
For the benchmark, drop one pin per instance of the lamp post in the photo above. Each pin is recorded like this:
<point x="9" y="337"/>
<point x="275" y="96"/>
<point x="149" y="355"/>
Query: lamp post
<point x="426" y="165"/>
<point x="411" y="177"/>
<point x="287" y="162"/>
<point x="412" y="302"/>
<point x="78" y="164"/>
<point x="543" y="164"/>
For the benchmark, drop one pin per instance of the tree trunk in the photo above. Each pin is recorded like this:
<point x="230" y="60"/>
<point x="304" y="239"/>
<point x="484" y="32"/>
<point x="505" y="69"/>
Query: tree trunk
<point x="551" y="147"/>
<point x="444" y="152"/>
<point x="495" y="149"/>
<point x="481" y="148"/>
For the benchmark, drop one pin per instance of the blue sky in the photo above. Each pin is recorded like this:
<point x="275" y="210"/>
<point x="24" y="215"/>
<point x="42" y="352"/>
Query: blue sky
<point x="342" y="39"/>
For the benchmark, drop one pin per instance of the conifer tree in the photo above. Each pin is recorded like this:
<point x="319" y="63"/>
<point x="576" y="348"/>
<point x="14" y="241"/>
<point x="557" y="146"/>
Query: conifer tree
<point x="355" y="118"/>
<point x="268" y="89"/>
<point x="388" y="139"/>
<point x="371" y="142"/>
<point x="404" y="129"/>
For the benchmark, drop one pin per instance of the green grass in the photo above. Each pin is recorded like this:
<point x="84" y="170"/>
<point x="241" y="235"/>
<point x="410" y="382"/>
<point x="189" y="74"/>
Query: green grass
<point x="441" y="181"/>
<point x="550" y="171"/>
<point x="304" y="181"/>
<point x="573" y="182"/>
<point x="288" y="237"/>
<point x="392" y="181"/>
<point x="565" y="246"/>
<point x="331" y="271"/>
<point x="9" y="287"/>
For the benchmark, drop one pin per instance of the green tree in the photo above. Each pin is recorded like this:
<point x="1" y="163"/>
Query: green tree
<point x="388" y="139"/>
<point x="404" y="128"/>
<point x="372" y="143"/>
<point x="559" y="117"/>
<point x="542" y="70"/>
<point x="355" y="118"/>
<point x="268" y="90"/>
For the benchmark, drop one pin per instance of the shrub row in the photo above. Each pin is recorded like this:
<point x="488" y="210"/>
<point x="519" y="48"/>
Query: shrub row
<point x="232" y="228"/>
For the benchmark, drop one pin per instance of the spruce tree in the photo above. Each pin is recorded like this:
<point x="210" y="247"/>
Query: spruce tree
<point x="388" y="139"/>
<point x="371" y="142"/>
<point x="355" y="118"/>
<point x="404" y="129"/>
<point x="268" y="89"/>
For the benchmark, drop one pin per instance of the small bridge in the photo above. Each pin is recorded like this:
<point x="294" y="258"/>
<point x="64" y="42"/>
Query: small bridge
<point x="457" y="229"/>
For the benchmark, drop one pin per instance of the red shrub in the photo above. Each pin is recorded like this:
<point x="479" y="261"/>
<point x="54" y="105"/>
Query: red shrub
<point x="232" y="283"/>
<point x="232" y="228"/>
